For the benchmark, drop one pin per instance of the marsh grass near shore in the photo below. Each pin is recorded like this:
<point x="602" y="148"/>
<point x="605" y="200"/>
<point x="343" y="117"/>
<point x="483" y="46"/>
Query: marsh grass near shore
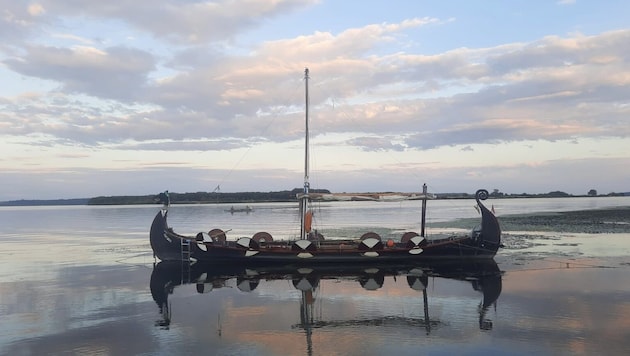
<point x="595" y="221"/>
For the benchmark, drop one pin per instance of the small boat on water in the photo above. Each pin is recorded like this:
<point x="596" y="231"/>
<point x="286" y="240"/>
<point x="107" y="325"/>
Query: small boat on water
<point x="246" y="209"/>
<point x="313" y="247"/>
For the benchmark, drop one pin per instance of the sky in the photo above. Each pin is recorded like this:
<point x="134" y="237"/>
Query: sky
<point x="137" y="97"/>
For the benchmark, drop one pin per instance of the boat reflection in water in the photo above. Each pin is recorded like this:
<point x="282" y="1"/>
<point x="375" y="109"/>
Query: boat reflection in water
<point x="483" y="275"/>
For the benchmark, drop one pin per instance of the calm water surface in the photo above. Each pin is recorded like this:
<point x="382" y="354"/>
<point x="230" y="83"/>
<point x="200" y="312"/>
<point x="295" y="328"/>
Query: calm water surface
<point x="81" y="280"/>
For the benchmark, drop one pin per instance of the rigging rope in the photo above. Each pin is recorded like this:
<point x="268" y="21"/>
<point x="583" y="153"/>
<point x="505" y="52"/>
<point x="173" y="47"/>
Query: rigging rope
<point x="262" y="133"/>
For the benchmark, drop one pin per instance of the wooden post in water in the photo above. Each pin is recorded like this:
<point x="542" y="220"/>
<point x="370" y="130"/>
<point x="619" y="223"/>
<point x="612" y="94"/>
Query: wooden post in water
<point x="427" y="320"/>
<point x="424" y="209"/>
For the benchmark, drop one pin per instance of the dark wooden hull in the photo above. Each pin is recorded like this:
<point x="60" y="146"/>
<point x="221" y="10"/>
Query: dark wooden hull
<point x="482" y="243"/>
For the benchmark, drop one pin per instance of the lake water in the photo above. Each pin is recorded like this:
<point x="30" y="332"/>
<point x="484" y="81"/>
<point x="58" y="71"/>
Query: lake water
<point x="77" y="280"/>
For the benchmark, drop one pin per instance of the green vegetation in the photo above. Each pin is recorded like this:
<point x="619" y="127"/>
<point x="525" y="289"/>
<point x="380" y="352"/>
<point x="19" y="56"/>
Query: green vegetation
<point x="25" y="202"/>
<point x="204" y="197"/>
<point x="253" y="197"/>
<point x="281" y="196"/>
<point x="592" y="221"/>
<point x="498" y="195"/>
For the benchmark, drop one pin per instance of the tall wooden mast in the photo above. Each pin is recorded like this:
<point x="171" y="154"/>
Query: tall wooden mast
<point x="305" y="198"/>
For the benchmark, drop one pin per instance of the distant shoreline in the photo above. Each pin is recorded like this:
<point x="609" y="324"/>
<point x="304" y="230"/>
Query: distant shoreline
<point x="254" y="197"/>
<point x="45" y="202"/>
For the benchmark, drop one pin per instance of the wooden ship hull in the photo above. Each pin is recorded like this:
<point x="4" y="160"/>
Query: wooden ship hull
<point x="213" y="247"/>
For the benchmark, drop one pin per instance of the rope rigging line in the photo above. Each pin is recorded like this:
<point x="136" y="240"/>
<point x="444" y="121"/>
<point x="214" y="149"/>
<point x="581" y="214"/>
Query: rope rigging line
<point x="262" y="133"/>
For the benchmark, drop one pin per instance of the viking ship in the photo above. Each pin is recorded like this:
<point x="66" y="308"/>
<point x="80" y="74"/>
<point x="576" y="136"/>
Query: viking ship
<point x="313" y="247"/>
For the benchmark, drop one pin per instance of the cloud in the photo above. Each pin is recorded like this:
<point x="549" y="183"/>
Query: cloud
<point x="114" y="73"/>
<point x="186" y="145"/>
<point x="351" y="43"/>
<point x="376" y="144"/>
<point x="191" y="22"/>
<point x="232" y="88"/>
<point x="466" y="96"/>
<point x="17" y="19"/>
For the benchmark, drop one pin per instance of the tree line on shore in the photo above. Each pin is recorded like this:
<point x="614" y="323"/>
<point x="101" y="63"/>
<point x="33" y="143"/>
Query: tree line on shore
<point x="205" y="197"/>
<point x="257" y="197"/>
<point x="286" y="196"/>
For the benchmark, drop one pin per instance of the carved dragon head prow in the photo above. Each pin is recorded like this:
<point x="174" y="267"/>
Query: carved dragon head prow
<point x="490" y="229"/>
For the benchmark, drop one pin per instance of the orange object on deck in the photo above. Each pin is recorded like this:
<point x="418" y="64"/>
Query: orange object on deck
<point x="308" y="221"/>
